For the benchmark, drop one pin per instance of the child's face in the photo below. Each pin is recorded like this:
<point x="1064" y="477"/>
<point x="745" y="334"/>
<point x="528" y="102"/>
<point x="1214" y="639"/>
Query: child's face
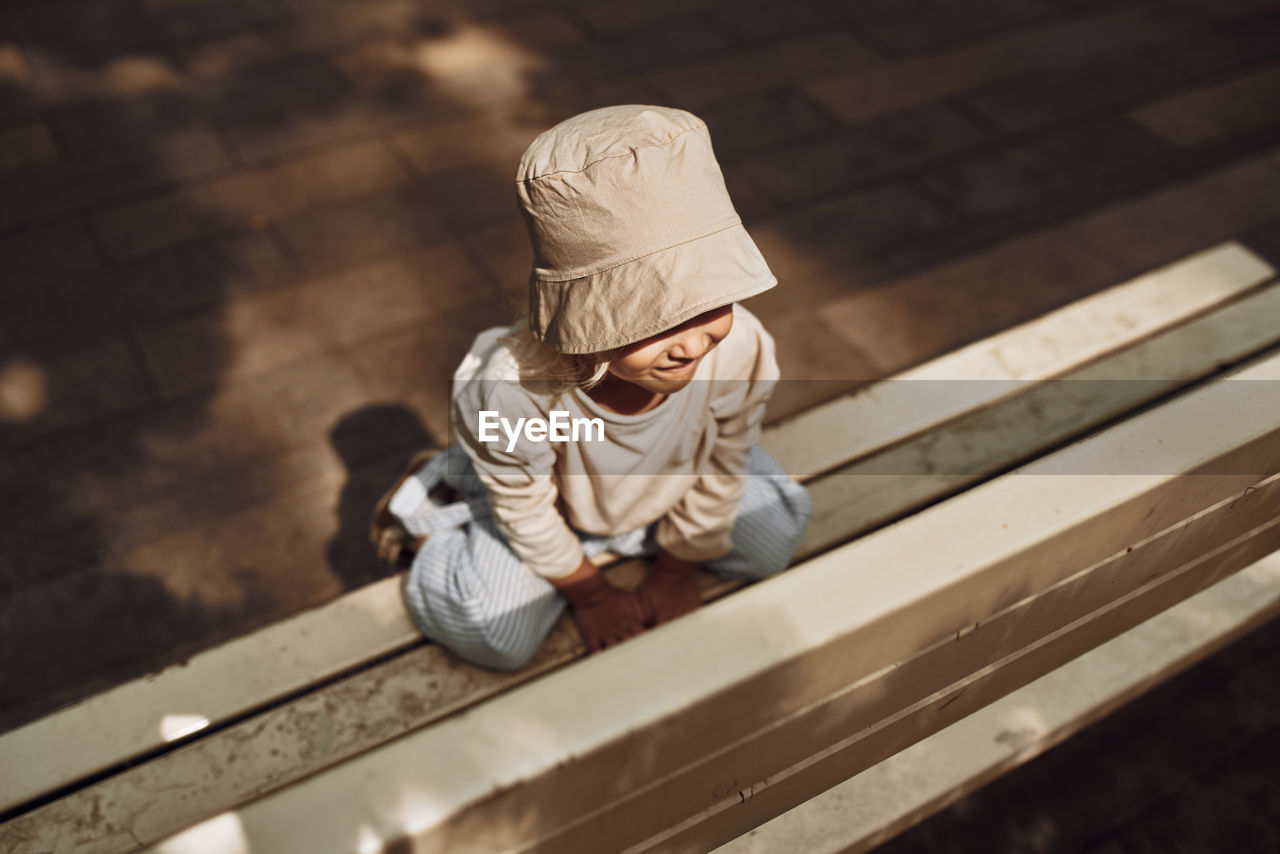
<point x="664" y="363"/>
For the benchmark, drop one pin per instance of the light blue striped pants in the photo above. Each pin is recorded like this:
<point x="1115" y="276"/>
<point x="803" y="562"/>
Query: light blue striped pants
<point x="469" y="592"/>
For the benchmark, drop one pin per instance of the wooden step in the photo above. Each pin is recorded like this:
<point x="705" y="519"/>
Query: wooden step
<point x="1165" y="329"/>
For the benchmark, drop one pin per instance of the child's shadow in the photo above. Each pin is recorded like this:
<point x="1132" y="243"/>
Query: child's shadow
<point x="375" y="445"/>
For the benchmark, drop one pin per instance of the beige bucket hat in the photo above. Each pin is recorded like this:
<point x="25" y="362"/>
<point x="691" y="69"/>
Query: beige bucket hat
<point x="632" y="228"/>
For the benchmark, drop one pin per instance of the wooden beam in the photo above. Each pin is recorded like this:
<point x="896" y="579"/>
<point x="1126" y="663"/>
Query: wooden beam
<point x="659" y="732"/>
<point x="927" y="777"/>
<point x="787" y="787"/>
<point x="269" y="666"/>
<point x="985" y="373"/>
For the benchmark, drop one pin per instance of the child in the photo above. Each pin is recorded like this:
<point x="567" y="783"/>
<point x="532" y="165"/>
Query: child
<point x="633" y="335"/>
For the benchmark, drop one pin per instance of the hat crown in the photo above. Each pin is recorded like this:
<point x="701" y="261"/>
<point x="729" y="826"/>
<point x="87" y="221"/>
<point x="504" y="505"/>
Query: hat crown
<point x="579" y="142"/>
<point x="611" y="185"/>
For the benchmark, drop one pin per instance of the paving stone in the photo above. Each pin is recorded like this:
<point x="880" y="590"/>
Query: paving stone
<point x="918" y="25"/>
<point x="338" y="236"/>
<point x="1162" y="227"/>
<point x="1235" y="8"/>
<point x="1107" y="32"/>
<point x="556" y="101"/>
<point x="303" y="108"/>
<point x="495" y="140"/>
<point x="102" y="130"/>
<point x="614" y="15"/>
<point x="238" y="202"/>
<point x="1231" y="809"/>
<point x="901" y="323"/>
<point x="859" y="223"/>
<point x="1265" y="240"/>
<point x="116" y="31"/>
<point x="257" y="115"/>
<point x="115" y="487"/>
<point x="755" y="124"/>
<point x="504" y="253"/>
<point x="1216" y="112"/>
<point x="325" y="27"/>
<point x="865" y="93"/>
<point x="1033" y="100"/>
<point x="1106" y="846"/>
<point x="537" y="29"/>
<point x="197" y="276"/>
<point x="249" y="568"/>
<point x="58" y="188"/>
<point x="413" y="365"/>
<point x="64" y="630"/>
<point x="100" y="23"/>
<point x="74" y="386"/>
<point x="665" y="43"/>
<point x="805" y="278"/>
<point x="751" y="21"/>
<point x="760" y="70"/>
<point x="308" y="477"/>
<point x="1082" y="161"/>
<point x="52" y="289"/>
<point x="256" y="334"/>
<point x="817" y="364"/>
<point x="1251" y="662"/>
<point x="890" y="87"/>
<point x="748" y="200"/>
<point x="473" y="198"/>
<point x="421" y="287"/>
<point x="852" y="155"/>
<point x="231" y="343"/>
<point x="62" y="83"/>
<point x="313" y="30"/>
<point x="225" y="56"/>
<point x="472" y="66"/>
<point x="25" y="146"/>
<point x="823" y="251"/>
<point x="1221" y="48"/>
<point x="466" y="64"/>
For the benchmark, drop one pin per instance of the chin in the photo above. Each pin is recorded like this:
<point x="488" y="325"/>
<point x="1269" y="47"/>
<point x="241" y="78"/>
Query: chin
<point x="670" y="385"/>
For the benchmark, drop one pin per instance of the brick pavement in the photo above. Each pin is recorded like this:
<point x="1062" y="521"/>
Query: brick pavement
<point x="243" y="244"/>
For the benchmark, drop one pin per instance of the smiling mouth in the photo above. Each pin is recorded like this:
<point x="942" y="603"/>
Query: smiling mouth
<point x="673" y="369"/>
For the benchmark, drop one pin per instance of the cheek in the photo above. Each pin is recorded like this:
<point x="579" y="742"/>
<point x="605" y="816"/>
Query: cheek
<point x="637" y="363"/>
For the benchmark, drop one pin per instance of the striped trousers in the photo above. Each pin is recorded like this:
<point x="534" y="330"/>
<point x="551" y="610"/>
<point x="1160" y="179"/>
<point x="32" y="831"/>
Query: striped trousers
<point x="469" y="592"/>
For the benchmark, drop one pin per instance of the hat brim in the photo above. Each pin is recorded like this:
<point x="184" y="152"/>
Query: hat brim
<point x="650" y="294"/>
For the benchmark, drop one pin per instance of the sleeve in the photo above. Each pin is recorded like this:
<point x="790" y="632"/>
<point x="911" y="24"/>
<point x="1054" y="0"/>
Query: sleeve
<point x="698" y="528"/>
<point x="519" y="475"/>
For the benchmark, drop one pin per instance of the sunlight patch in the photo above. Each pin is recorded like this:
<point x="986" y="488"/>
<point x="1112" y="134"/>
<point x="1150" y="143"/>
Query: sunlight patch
<point x="24" y="392"/>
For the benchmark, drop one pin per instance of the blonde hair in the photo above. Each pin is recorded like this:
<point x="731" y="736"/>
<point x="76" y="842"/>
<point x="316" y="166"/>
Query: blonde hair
<point x="555" y="371"/>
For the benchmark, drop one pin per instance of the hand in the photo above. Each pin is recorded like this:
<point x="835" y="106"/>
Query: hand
<point x="604" y="614"/>
<point x="612" y="620"/>
<point x="669" y="590"/>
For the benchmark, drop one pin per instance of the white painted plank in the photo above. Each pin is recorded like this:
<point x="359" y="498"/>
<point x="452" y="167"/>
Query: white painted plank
<point x="819" y="743"/>
<point x="211" y="687"/>
<point x="891" y="482"/>
<point x="866" y="746"/>
<point x="883" y="414"/>
<point x="368" y="708"/>
<point x="929" y="776"/>
<point x="595" y="733"/>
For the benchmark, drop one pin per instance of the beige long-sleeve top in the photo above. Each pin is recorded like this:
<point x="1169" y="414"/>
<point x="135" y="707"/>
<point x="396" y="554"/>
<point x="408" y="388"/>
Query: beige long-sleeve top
<point x="682" y="463"/>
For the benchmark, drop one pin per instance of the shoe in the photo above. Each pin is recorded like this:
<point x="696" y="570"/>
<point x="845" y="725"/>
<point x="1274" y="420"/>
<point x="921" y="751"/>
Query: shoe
<point x="393" y="543"/>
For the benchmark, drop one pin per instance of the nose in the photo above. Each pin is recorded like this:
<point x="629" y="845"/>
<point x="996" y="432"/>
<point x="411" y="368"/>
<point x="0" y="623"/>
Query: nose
<point x="693" y="343"/>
